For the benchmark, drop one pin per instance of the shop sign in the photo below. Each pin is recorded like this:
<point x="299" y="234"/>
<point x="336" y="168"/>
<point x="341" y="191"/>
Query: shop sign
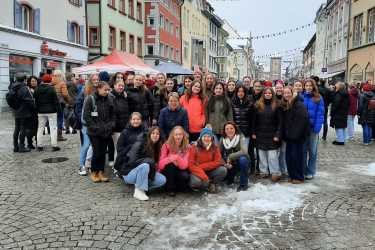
<point x="20" y="60"/>
<point x="52" y="64"/>
<point x="45" y="50"/>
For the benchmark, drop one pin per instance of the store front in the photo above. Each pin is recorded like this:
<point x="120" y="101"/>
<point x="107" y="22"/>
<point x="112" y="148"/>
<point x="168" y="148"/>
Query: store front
<point x="22" y="64"/>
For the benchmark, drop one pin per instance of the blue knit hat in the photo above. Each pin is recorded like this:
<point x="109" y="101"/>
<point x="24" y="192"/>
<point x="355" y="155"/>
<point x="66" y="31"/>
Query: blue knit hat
<point x="206" y="131"/>
<point x="104" y="76"/>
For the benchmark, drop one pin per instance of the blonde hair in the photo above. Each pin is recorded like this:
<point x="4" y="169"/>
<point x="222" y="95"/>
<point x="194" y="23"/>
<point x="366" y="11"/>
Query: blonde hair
<point x="58" y="74"/>
<point x="171" y="142"/>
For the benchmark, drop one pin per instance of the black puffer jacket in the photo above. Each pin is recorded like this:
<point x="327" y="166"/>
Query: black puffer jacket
<point x="99" y="122"/>
<point x="243" y="112"/>
<point x="130" y="149"/>
<point x="267" y="124"/>
<point x="121" y="109"/>
<point x="141" y="101"/>
<point x="46" y="99"/>
<point x="296" y="123"/>
<point x="159" y="100"/>
<point x="366" y="116"/>
<point x="25" y="100"/>
<point x="340" y="109"/>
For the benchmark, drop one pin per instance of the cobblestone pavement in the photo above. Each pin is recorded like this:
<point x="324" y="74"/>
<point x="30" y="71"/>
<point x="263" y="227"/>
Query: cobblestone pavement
<point x="50" y="206"/>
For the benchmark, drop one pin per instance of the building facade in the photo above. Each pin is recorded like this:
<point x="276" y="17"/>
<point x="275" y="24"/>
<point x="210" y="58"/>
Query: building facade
<point x="223" y="54"/>
<point x="309" y="58"/>
<point x="163" y="31"/>
<point x="361" y="53"/>
<point x="115" y="25"/>
<point x="34" y="38"/>
<point x="321" y="60"/>
<point x="275" y="68"/>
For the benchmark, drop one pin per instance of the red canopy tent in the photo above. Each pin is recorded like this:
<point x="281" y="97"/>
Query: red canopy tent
<point x="116" y="62"/>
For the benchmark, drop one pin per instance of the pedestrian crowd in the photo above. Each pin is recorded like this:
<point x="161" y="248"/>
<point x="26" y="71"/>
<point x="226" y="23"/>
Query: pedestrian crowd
<point x="154" y="132"/>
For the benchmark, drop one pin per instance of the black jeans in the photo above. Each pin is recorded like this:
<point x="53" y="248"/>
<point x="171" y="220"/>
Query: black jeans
<point x="99" y="149"/>
<point x="177" y="179"/>
<point x="111" y="150"/>
<point x="20" y="132"/>
<point x="254" y="162"/>
<point x="294" y="160"/>
<point x="325" y="125"/>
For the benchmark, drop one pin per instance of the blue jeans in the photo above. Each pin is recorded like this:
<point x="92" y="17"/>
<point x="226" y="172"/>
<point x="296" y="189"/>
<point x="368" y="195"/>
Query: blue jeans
<point x="311" y="148"/>
<point x="242" y="165"/>
<point x="340" y="134"/>
<point x="269" y="162"/>
<point x="60" y="119"/>
<point x="350" y="128"/>
<point x="282" y="161"/>
<point x="84" y="147"/>
<point x="139" y="177"/>
<point x="367" y="133"/>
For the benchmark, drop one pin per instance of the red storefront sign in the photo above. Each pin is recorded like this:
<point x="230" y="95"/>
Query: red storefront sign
<point x="45" y="50"/>
<point x="20" y="60"/>
<point x="52" y="64"/>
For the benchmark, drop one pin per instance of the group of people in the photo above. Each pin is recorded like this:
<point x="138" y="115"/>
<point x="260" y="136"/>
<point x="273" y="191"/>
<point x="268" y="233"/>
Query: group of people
<point x="190" y="136"/>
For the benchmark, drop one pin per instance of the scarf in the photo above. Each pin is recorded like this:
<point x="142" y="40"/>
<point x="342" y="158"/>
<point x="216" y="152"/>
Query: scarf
<point x="228" y="144"/>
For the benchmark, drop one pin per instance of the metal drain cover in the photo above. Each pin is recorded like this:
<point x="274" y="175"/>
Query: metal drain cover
<point x="55" y="160"/>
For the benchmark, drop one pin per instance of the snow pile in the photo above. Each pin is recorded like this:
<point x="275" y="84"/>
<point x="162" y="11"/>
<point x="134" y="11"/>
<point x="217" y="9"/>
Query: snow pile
<point x="371" y="169"/>
<point x="364" y="170"/>
<point x="198" y="222"/>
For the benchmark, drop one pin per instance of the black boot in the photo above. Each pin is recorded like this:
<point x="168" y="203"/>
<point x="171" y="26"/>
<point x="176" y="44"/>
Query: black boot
<point x="59" y="135"/>
<point x="23" y="149"/>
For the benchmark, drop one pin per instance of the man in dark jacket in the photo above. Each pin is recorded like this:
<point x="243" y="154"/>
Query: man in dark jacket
<point x="47" y="104"/>
<point x="23" y="114"/>
<point x="326" y="94"/>
<point x="72" y="85"/>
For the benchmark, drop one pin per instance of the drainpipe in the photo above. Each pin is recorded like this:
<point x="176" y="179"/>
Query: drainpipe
<point x="347" y="42"/>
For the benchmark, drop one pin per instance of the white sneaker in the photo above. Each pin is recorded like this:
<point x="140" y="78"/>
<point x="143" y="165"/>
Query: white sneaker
<point x="140" y="195"/>
<point x="82" y="171"/>
<point x="111" y="164"/>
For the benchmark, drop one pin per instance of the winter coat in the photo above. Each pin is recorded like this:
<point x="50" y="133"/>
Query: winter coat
<point x="267" y="124"/>
<point x="130" y="149"/>
<point x="46" y="99"/>
<point x="73" y="91"/>
<point x="340" y="109"/>
<point x="315" y="111"/>
<point x="121" y="109"/>
<point x="218" y="112"/>
<point x="25" y="100"/>
<point x="243" y="112"/>
<point x="78" y="106"/>
<point x="202" y="160"/>
<point x="327" y="94"/>
<point x="159" y="100"/>
<point x="195" y="109"/>
<point x="141" y="102"/>
<point x="366" y="116"/>
<point x="62" y="92"/>
<point x="233" y="154"/>
<point x="296" y="123"/>
<point x="102" y="123"/>
<point x="167" y="156"/>
<point x="353" y="101"/>
<point x="169" y="119"/>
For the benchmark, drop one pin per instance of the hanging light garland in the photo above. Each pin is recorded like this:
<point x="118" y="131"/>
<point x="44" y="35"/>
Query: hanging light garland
<point x="285" y="53"/>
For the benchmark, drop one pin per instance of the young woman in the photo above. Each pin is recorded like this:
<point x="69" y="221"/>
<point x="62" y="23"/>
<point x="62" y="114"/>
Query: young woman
<point x="298" y="88"/>
<point x="209" y="82"/>
<point x="366" y="113"/>
<point x="315" y="108"/>
<point x="267" y="125"/>
<point x="118" y="76"/>
<point x="137" y="157"/>
<point x="174" y="161"/>
<point x="339" y="113"/>
<point x="194" y="102"/>
<point x="353" y="108"/>
<point x="140" y="100"/>
<point x="170" y="87"/>
<point x="279" y="86"/>
<point x="231" y="88"/>
<point x="187" y="84"/>
<point x="32" y="84"/>
<point x="99" y="117"/>
<point x="258" y="90"/>
<point x="219" y="109"/>
<point x="296" y="130"/>
<point x="205" y="163"/>
<point x="233" y="149"/>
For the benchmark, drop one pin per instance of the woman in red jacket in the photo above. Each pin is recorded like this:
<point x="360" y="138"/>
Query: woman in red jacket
<point x="194" y="102"/>
<point x="205" y="163"/>
<point x="174" y="161"/>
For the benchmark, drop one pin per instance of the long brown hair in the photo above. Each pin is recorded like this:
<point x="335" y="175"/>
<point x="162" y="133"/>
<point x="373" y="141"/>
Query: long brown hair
<point x="285" y="105"/>
<point x="315" y="91"/>
<point x="189" y="92"/>
<point x="261" y="103"/>
<point x="171" y="142"/>
<point x="89" y="86"/>
<point x="153" y="149"/>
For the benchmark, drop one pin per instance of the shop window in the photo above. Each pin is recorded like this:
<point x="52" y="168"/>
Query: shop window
<point x="76" y="2"/>
<point x="139" y="11"/>
<point x="75" y="32"/>
<point x="131" y="44"/>
<point x="356" y="73"/>
<point x="19" y="64"/>
<point x="139" y="47"/>
<point x="26" y="18"/>
<point x="112" y="38"/>
<point x="131" y="8"/>
<point x="369" y="73"/>
<point x="122" y="41"/>
<point x="94" y="37"/>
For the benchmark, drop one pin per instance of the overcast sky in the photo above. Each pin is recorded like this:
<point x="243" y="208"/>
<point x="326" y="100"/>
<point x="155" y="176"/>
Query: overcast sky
<point x="269" y="16"/>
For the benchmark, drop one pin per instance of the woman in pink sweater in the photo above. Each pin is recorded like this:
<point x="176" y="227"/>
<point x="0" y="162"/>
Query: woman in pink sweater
<point x="174" y="158"/>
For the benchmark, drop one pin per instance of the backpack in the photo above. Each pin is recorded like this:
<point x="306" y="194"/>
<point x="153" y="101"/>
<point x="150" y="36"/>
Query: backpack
<point x="12" y="98"/>
<point x="371" y="104"/>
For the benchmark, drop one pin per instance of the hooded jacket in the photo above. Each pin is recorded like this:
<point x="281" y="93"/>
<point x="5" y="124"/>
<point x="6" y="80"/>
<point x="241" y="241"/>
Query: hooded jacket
<point x="46" y="99"/>
<point x="218" y="112"/>
<point x="195" y="109"/>
<point x="340" y="109"/>
<point x="315" y="111"/>
<point x="25" y="100"/>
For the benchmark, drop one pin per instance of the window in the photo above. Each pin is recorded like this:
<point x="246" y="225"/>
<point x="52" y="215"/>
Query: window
<point x="131" y="8"/>
<point x="371" y="25"/>
<point x="76" y="2"/>
<point x="26" y="18"/>
<point x="150" y="50"/>
<point x="131" y="44"/>
<point x="166" y="25"/>
<point x="161" y="21"/>
<point x="369" y="73"/>
<point x="171" y="30"/>
<point x="139" y="11"/>
<point x="357" y="30"/>
<point x="75" y="32"/>
<point x="112" y="4"/>
<point x="161" y="50"/>
<point x="151" y="21"/>
<point x="122" y="41"/>
<point x="122" y="6"/>
<point x="177" y="32"/>
<point x="112" y="38"/>
<point x="139" y="47"/>
<point x="94" y="37"/>
<point x="356" y="73"/>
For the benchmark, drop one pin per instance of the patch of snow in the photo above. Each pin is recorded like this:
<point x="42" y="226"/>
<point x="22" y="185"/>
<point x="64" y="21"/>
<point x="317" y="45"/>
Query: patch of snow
<point x="364" y="170"/>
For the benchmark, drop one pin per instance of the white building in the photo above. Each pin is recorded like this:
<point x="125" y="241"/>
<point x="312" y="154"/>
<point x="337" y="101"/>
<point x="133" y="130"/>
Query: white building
<point x="321" y="21"/>
<point x="39" y="35"/>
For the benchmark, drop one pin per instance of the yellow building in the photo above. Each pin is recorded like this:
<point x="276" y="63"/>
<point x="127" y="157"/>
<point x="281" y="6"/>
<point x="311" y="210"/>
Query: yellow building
<point x="194" y="34"/>
<point x="361" y="52"/>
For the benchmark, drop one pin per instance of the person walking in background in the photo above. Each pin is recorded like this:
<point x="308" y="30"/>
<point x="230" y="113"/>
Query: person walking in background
<point x="47" y="104"/>
<point x="326" y="94"/>
<point x="339" y="113"/>
<point x="366" y="113"/>
<point x="73" y="90"/>
<point x="58" y="81"/>
<point x="32" y="84"/>
<point x="353" y="108"/>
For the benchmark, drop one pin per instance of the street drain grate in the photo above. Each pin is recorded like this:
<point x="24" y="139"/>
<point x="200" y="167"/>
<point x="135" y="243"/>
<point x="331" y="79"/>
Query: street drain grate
<point x="55" y="160"/>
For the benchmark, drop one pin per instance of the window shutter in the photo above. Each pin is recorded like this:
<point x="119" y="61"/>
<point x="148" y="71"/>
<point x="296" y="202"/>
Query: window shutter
<point x="17" y="15"/>
<point x="37" y="21"/>
<point x="69" y="31"/>
<point x="82" y="34"/>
